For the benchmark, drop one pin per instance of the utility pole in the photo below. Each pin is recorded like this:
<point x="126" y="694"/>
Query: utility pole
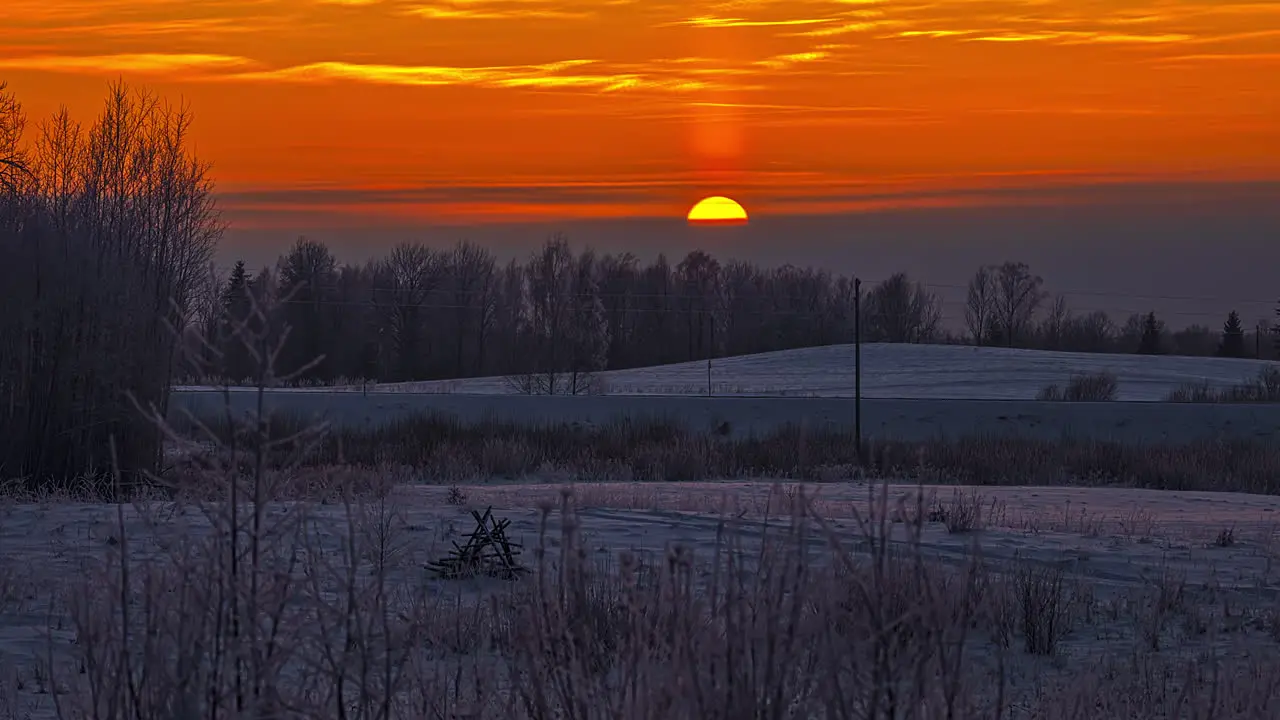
<point x="710" y="351"/>
<point x="857" y="367"/>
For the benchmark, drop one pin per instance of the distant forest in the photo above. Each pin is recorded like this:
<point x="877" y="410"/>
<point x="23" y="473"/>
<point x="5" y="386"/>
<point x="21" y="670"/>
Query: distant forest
<point x="424" y="313"/>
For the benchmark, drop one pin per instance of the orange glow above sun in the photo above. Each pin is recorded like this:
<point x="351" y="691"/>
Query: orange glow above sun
<point x="717" y="210"/>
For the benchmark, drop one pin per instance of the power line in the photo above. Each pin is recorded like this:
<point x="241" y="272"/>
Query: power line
<point x="957" y="308"/>
<point x="675" y="295"/>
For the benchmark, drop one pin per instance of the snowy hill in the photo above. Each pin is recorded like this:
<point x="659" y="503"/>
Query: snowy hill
<point x="893" y="371"/>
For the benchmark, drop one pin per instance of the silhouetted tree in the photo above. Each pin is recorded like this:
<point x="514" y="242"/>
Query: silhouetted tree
<point x="1151" y="330"/>
<point x="1053" y="329"/>
<point x="901" y="311"/>
<point x="236" y="361"/>
<point x="306" y="275"/>
<point x="1094" y="332"/>
<point x="1018" y="296"/>
<point x="1197" y="340"/>
<point x="618" y="280"/>
<point x="13" y="161"/>
<point x="469" y="274"/>
<point x="980" y="302"/>
<point x="588" y="328"/>
<point x="1232" y="337"/>
<point x="698" y="276"/>
<point x="547" y="324"/>
<point x="404" y="284"/>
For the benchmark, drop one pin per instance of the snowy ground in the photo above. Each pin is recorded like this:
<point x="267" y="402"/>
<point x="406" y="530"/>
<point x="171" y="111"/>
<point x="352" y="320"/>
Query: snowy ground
<point x="893" y="371"/>
<point x="1117" y="543"/>
<point x="912" y="392"/>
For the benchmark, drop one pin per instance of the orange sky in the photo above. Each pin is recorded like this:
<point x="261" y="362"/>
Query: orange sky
<point x="498" y="109"/>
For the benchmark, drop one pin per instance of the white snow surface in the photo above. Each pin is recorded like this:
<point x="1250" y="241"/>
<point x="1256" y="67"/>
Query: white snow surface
<point x="912" y="392"/>
<point x="894" y="371"/>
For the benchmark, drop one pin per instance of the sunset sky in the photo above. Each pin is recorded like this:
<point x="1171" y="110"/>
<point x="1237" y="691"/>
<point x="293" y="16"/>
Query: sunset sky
<point x="480" y="110"/>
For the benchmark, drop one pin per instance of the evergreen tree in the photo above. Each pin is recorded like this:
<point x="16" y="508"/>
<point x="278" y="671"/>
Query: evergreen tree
<point x="1151" y="330"/>
<point x="1232" y="337"/>
<point x="236" y="364"/>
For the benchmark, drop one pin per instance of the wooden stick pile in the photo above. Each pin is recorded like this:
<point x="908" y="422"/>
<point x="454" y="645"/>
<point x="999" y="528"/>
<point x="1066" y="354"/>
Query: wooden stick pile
<point x="487" y="552"/>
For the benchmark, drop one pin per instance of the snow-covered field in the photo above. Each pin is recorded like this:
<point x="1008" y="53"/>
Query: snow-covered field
<point x="894" y="371"/>
<point x="912" y="392"/>
<point x="1118" y="546"/>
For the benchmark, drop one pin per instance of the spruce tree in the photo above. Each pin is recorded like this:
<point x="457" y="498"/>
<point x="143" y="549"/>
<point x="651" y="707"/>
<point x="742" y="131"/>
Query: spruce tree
<point x="236" y="363"/>
<point x="1232" y="345"/>
<point x="1151" y="329"/>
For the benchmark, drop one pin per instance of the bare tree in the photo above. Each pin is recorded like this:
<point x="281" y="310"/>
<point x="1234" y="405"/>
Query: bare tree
<point x="546" y="325"/>
<point x="698" y="276"/>
<point x="404" y="283"/>
<point x="13" y="121"/>
<point x="101" y="250"/>
<point x="588" y="328"/>
<point x="979" y="309"/>
<point x="1018" y="296"/>
<point x="1129" y="336"/>
<point x="901" y="311"/>
<point x="1054" y="325"/>
<point x="1094" y="332"/>
<point x="470" y="274"/>
<point x="618" y="279"/>
<point x="308" y="273"/>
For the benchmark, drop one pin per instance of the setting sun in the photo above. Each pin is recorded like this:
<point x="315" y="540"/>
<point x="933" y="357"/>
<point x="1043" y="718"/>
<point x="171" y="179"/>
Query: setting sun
<point x="717" y="210"/>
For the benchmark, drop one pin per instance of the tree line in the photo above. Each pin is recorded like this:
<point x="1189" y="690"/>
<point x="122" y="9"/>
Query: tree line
<point x="558" y="315"/>
<point x="1007" y="305"/>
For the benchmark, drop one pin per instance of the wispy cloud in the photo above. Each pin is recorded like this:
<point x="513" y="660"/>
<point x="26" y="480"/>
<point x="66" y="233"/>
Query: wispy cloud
<point x="568" y="74"/>
<point x="712" y="21"/>
<point x="1070" y="37"/>
<point x="779" y="62"/>
<point x="1263" y="57"/>
<point x="146" y="63"/>
<point x="495" y="10"/>
<point x="145" y="28"/>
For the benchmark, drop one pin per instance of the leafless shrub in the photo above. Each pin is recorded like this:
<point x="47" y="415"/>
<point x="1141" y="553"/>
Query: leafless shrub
<point x="964" y="513"/>
<point x="1049" y="393"/>
<point x="455" y="496"/>
<point x="1083" y="387"/>
<point x="1226" y="537"/>
<point x="1161" y="602"/>
<point x="1045" y="602"/>
<point x="1137" y="522"/>
<point x="1192" y="392"/>
<point x="557" y="383"/>
<point x="1263" y="388"/>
